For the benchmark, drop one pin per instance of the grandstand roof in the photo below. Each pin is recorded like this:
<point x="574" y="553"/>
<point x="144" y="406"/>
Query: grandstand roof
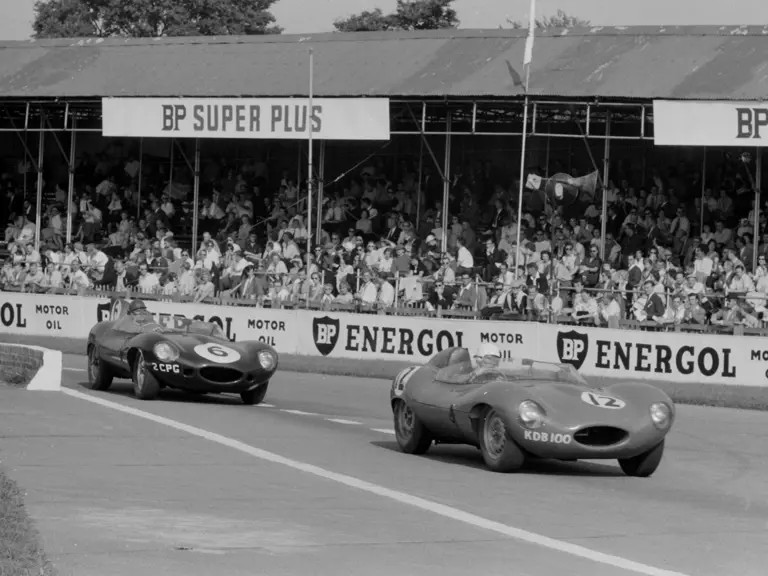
<point x="638" y="63"/>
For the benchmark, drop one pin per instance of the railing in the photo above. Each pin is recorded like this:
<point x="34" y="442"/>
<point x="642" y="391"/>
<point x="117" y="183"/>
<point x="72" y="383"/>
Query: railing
<point x="420" y="308"/>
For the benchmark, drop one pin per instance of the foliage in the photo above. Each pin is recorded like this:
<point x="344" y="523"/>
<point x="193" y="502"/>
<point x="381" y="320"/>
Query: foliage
<point x="408" y="15"/>
<point x="152" y="18"/>
<point x="559" y="20"/>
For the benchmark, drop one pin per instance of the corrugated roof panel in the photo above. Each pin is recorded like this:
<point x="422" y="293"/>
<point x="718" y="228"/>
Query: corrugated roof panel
<point x="633" y="62"/>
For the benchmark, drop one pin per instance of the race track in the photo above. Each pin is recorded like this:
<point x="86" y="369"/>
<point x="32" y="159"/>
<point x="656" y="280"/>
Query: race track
<point x="119" y="494"/>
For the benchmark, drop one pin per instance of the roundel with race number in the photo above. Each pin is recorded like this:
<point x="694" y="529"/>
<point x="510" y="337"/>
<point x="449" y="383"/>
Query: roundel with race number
<point x="117" y="310"/>
<point x="217" y="353"/>
<point x="402" y="379"/>
<point x="602" y="401"/>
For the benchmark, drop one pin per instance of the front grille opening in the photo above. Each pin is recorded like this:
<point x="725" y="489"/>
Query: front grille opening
<point x="220" y="374"/>
<point x="600" y="436"/>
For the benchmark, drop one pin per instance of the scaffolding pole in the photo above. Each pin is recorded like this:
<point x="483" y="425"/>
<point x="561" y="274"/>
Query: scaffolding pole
<point x="758" y="183"/>
<point x="71" y="182"/>
<point x="320" y="190"/>
<point x="40" y="156"/>
<point x="309" y="160"/>
<point x="446" y="183"/>
<point x="196" y="198"/>
<point x="141" y="168"/>
<point x="606" y="173"/>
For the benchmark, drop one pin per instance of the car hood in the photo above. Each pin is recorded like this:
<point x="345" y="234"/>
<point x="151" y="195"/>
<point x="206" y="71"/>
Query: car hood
<point x="565" y="403"/>
<point x="189" y="341"/>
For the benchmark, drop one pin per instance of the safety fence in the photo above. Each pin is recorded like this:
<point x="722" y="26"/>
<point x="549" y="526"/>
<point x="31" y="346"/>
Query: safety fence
<point x="637" y="354"/>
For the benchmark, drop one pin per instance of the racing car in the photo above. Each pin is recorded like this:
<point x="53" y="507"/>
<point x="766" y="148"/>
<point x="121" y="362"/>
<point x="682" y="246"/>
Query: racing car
<point x="525" y="409"/>
<point x="189" y="355"/>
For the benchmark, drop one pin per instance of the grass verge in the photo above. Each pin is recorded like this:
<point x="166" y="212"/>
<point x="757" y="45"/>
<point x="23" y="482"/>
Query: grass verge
<point x="21" y="550"/>
<point x="744" y="397"/>
<point x="15" y="377"/>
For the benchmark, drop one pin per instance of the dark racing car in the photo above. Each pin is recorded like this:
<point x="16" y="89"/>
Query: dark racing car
<point x="528" y="409"/>
<point x="191" y="355"/>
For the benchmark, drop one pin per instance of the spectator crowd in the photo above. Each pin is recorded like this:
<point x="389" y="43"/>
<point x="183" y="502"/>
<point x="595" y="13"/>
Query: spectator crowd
<point x="673" y="255"/>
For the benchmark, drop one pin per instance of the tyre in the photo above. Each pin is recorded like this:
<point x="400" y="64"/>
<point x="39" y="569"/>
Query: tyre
<point x="412" y="436"/>
<point x="255" y="396"/>
<point x="99" y="375"/>
<point x="500" y="453"/>
<point x="145" y="385"/>
<point x="645" y="464"/>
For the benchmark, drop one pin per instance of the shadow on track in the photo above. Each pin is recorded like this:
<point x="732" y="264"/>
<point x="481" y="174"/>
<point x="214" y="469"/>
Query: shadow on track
<point x="470" y="457"/>
<point x="125" y="389"/>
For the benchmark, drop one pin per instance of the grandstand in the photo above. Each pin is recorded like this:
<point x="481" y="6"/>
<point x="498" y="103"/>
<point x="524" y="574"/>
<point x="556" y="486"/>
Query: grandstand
<point x="425" y="223"/>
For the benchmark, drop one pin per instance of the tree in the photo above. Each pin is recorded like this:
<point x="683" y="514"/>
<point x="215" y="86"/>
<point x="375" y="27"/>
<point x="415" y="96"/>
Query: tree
<point x="408" y="15"/>
<point x="152" y="18"/>
<point x="560" y="20"/>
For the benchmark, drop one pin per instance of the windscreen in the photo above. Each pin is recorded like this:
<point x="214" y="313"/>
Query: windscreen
<point x="535" y="370"/>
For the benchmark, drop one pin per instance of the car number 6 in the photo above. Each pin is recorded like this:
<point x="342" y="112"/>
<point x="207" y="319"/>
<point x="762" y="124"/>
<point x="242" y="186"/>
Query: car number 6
<point x="217" y="353"/>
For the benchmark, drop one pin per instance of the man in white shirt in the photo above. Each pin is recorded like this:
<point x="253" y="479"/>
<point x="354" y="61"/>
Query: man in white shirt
<point x="148" y="282"/>
<point x="234" y="272"/>
<point x="77" y="278"/>
<point x="465" y="262"/>
<point x="97" y="261"/>
<point x="702" y="265"/>
<point x="386" y="293"/>
<point x="205" y="289"/>
<point x="367" y="293"/>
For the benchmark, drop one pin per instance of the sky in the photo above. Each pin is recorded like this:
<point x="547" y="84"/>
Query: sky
<point x="305" y="16"/>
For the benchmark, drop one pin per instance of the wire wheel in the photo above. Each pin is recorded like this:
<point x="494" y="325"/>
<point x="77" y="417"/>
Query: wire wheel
<point x="405" y="420"/>
<point x="495" y="435"/>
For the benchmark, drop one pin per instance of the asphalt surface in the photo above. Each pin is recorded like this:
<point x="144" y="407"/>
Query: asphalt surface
<point x="116" y="494"/>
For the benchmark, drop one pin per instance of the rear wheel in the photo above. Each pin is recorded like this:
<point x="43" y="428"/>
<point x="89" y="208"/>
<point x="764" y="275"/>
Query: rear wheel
<point x="645" y="464"/>
<point x="255" y="396"/>
<point x="500" y="452"/>
<point x="99" y="375"/>
<point x="145" y="385"/>
<point x="412" y="436"/>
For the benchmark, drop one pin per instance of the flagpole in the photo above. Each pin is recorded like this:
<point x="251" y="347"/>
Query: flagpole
<point x="309" y="138"/>
<point x="527" y="63"/>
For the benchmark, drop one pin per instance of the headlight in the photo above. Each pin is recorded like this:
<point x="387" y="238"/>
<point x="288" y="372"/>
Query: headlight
<point x="266" y="359"/>
<point x="531" y="415"/>
<point x="166" y="352"/>
<point x="661" y="415"/>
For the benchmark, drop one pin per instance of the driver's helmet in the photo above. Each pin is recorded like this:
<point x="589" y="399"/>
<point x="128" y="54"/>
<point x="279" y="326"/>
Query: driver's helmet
<point x="137" y="307"/>
<point x="488" y="356"/>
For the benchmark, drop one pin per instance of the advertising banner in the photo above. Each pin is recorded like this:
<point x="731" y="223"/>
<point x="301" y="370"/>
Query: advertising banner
<point x="680" y="123"/>
<point x="664" y="356"/>
<point x="404" y="339"/>
<point x="628" y="354"/>
<point x="254" y="118"/>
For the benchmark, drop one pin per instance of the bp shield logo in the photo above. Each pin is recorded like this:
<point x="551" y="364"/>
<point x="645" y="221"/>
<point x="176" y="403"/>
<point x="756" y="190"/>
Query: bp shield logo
<point x="572" y="348"/>
<point x="325" y="332"/>
<point x="103" y="312"/>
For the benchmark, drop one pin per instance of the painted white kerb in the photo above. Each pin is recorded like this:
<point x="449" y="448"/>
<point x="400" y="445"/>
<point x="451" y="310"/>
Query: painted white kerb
<point x="48" y="376"/>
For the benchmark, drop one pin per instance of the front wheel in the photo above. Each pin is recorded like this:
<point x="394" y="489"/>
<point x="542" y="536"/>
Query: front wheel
<point x="255" y="396"/>
<point x="500" y="453"/>
<point x="645" y="464"/>
<point x="145" y="385"/>
<point x="412" y="436"/>
<point x="99" y="375"/>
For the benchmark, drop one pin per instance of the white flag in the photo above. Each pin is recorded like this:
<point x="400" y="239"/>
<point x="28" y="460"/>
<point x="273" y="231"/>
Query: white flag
<point x="529" y="40"/>
<point x="533" y="182"/>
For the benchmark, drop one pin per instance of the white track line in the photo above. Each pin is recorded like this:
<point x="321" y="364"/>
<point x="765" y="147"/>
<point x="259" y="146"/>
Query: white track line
<point x="395" y="495"/>
<point x="382" y="430"/>
<point x="342" y="421"/>
<point x="263" y="405"/>
<point x="298" y="412"/>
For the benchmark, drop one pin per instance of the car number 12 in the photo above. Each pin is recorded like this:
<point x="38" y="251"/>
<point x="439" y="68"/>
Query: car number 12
<point x="217" y="353"/>
<point x="602" y="401"/>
